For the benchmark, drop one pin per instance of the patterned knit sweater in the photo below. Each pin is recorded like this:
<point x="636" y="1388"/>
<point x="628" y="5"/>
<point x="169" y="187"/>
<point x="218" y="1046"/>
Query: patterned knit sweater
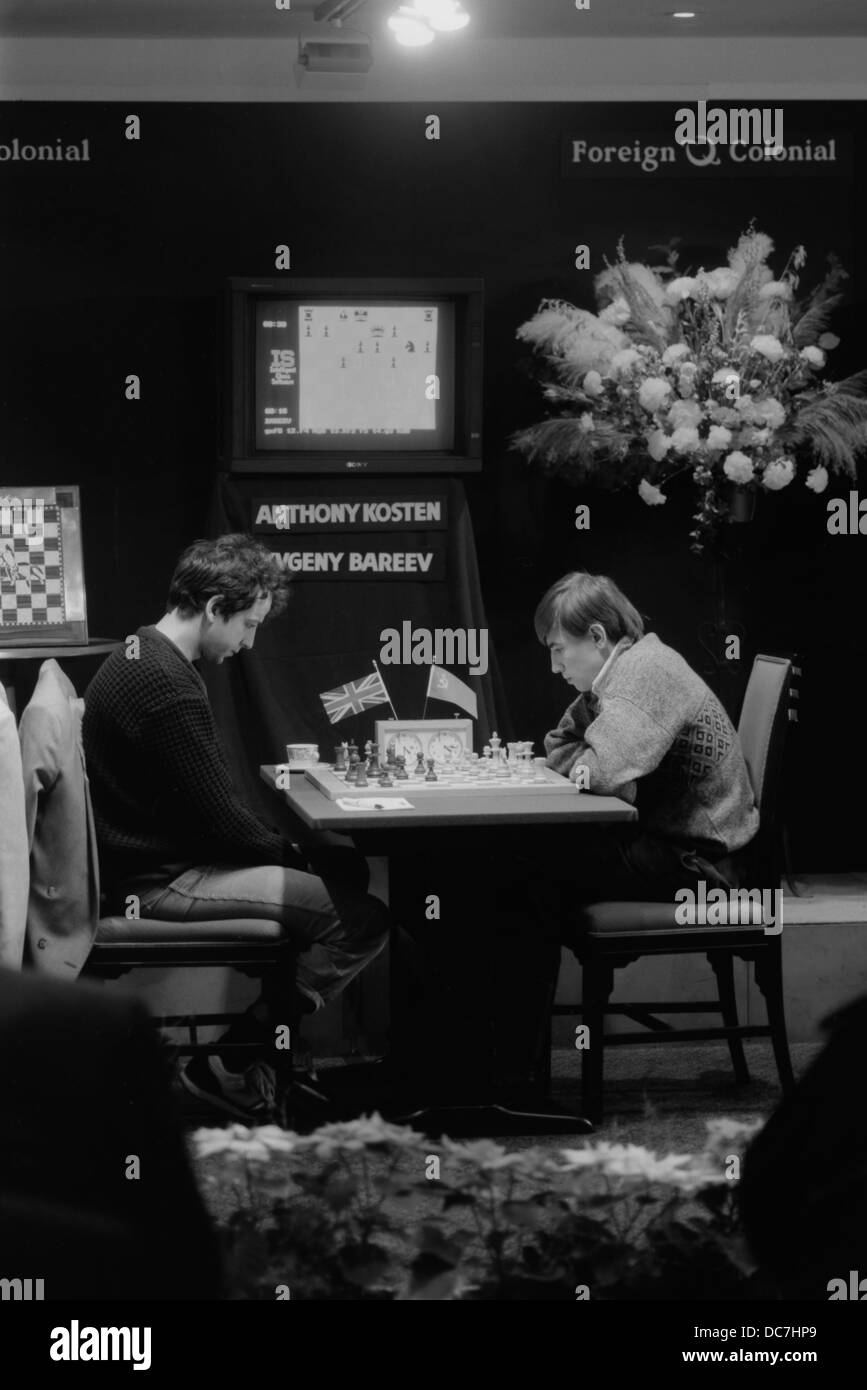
<point x="163" y="797"/>
<point x="652" y="733"/>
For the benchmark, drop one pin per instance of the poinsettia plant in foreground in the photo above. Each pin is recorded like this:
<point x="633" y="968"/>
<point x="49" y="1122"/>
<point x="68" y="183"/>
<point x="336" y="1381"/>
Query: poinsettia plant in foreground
<point x="716" y="374"/>
<point x="372" y="1210"/>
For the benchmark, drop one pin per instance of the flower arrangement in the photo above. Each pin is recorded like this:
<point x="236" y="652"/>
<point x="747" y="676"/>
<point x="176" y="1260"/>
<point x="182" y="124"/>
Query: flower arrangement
<point x="716" y="373"/>
<point x="327" y="1216"/>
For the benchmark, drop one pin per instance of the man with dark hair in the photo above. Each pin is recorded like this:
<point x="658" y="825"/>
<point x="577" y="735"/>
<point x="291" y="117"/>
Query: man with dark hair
<point x="644" y="727"/>
<point x="172" y="829"/>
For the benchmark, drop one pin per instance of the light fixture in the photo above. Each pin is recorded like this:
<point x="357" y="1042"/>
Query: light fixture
<point x="410" y="29"/>
<point x="683" y="14"/>
<point x="445" y="16"/>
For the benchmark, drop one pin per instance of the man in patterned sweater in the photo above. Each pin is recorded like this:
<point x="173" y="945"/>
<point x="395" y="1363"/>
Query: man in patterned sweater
<point x="173" y="831"/>
<point x="645" y="728"/>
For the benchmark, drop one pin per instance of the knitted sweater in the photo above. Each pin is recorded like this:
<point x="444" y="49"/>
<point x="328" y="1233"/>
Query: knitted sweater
<point x="163" y="797"/>
<point x="651" y="732"/>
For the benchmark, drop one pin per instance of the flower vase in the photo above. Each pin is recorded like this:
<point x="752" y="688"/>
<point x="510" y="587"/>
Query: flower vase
<point x="742" y="504"/>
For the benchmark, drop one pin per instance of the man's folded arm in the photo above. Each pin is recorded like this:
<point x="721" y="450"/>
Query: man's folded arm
<point x="622" y="744"/>
<point x="182" y="740"/>
<point x="563" y="744"/>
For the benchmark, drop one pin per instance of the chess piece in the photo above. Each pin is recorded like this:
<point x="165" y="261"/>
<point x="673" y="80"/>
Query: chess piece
<point x="374" y="768"/>
<point x="368" y="750"/>
<point x="354" y="764"/>
<point x="361" y="775"/>
<point x="419" y="763"/>
<point x="384" y="778"/>
<point x="431" y="775"/>
<point x="401" y="775"/>
<point x="340" y="764"/>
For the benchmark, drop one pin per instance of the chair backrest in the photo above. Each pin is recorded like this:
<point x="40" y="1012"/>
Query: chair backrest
<point x="762" y="729"/>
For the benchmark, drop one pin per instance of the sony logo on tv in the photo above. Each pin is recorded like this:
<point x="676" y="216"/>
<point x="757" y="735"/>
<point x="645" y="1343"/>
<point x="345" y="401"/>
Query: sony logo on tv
<point x="15" y="152"/>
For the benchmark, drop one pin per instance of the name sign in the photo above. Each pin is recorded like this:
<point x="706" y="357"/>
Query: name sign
<point x="341" y="557"/>
<point x="659" y="156"/>
<point x="327" y="514"/>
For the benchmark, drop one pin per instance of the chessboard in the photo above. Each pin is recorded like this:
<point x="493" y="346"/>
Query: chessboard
<point x="31" y="577"/>
<point x="456" y="781"/>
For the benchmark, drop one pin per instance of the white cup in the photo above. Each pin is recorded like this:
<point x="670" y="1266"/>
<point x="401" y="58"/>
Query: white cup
<point x="302" y="753"/>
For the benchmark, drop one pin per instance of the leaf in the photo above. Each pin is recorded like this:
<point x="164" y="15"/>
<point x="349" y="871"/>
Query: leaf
<point x="814" y="321"/>
<point x="340" y="1192"/>
<point x="524" y="1213"/>
<point x="430" y="1280"/>
<point x="364" y="1264"/>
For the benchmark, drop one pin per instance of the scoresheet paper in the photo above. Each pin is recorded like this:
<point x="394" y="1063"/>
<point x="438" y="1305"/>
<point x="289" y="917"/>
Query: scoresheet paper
<point x="374" y="803"/>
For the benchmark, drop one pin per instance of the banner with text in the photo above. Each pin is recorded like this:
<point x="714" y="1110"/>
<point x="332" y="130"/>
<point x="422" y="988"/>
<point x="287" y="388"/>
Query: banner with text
<point x="356" y="537"/>
<point x="657" y="155"/>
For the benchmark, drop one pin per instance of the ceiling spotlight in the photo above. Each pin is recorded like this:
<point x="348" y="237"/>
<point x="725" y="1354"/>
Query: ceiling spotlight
<point x="446" y="16"/>
<point x="683" y="14"/>
<point x="410" y="29"/>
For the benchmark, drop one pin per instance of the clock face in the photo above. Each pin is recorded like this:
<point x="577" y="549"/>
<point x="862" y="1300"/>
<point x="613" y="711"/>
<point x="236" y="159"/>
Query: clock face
<point x="446" y="747"/>
<point x="407" y="746"/>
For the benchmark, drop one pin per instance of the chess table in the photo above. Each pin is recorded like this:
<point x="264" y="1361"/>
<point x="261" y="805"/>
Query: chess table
<point x="445" y="845"/>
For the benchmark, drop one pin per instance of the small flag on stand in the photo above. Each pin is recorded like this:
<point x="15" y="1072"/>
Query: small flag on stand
<point x="443" y="686"/>
<point x="355" y="697"/>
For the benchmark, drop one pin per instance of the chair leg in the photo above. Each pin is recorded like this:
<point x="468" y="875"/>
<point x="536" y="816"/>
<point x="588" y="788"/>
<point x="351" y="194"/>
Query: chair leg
<point x="722" y="964"/>
<point x="769" y="978"/>
<point x="598" y="984"/>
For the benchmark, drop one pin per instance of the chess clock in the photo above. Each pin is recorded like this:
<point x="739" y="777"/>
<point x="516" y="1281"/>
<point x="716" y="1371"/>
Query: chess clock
<point x="444" y="740"/>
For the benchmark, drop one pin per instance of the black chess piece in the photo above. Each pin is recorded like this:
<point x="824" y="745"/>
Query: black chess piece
<point x="354" y="764"/>
<point x="419" y="763"/>
<point x="361" y="775"/>
<point x="340" y="757"/>
<point x="374" y="769"/>
<point x="430" y="775"/>
<point x="401" y="775"/>
<point x="385" y="778"/>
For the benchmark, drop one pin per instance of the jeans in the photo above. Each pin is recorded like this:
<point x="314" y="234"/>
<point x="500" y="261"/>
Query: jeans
<point x="338" y="927"/>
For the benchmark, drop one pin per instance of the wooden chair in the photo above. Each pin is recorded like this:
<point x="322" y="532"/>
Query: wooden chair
<point x="617" y="933"/>
<point x="255" y="947"/>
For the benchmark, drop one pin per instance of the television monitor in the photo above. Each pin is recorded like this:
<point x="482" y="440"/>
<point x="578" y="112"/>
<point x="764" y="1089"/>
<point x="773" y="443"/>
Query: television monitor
<point x="344" y="376"/>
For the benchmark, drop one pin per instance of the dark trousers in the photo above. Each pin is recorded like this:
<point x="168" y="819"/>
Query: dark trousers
<point x="538" y="915"/>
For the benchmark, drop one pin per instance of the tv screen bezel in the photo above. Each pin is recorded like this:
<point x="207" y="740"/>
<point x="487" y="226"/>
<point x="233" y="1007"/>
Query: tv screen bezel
<point x="240" y="454"/>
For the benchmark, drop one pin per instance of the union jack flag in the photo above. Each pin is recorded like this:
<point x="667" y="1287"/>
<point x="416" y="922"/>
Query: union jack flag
<point x="355" y="697"/>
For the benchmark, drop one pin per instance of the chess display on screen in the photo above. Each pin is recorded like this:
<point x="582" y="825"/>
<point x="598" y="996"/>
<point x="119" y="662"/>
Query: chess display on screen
<point x="360" y="373"/>
<point x="31" y="574"/>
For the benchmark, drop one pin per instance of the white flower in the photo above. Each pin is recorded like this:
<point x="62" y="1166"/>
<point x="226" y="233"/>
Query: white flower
<point x="623" y="360"/>
<point x="724" y="375"/>
<point x="658" y="444"/>
<point x="829" y="341"/>
<point x="653" y="391"/>
<point x="738" y="467"/>
<point x="684" y="287"/>
<point x="650" y="494"/>
<point x="815" y="356"/>
<point x="720" y="282"/>
<point x="769" y="410"/>
<point x="776" y="289"/>
<point x="817" y="479"/>
<point x="585" y="423"/>
<point x="617" y="312"/>
<point x="576" y="335"/>
<point x="684" y="413"/>
<point x="718" y="437"/>
<point x="778" y="474"/>
<point x="674" y="353"/>
<point x="752" y="249"/>
<point x="684" y="439"/>
<point x="593" y="384"/>
<point x="769" y="346"/>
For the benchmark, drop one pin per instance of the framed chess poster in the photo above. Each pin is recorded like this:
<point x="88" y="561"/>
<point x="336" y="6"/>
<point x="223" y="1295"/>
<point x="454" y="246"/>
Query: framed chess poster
<point x="42" y="599"/>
